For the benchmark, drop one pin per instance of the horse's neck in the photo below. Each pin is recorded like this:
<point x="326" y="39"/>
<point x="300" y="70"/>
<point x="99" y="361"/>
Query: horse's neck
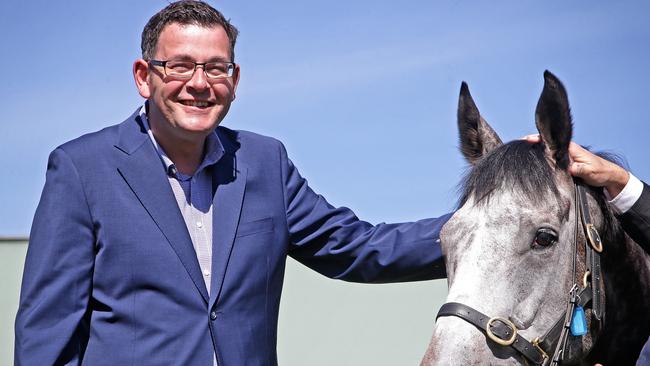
<point x="626" y="270"/>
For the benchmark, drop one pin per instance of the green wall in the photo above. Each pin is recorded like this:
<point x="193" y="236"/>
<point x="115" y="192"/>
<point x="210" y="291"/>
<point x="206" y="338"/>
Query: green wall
<point x="322" y="322"/>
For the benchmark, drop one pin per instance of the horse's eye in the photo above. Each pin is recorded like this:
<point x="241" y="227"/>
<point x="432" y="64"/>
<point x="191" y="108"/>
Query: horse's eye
<point x="544" y="238"/>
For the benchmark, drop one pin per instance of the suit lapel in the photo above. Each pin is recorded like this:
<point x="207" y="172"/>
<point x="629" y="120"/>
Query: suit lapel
<point x="145" y="175"/>
<point x="230" y="180"/>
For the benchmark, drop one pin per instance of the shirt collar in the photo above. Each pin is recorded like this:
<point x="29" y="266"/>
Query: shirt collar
<point x="213" y="149"/>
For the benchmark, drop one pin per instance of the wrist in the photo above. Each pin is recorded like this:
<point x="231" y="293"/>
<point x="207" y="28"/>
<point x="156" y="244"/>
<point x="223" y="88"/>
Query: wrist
<point x="618" y="180"/>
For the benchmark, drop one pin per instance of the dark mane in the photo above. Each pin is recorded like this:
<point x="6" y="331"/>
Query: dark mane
<point x="517" y="164"/>
<point x="523" y="166"/>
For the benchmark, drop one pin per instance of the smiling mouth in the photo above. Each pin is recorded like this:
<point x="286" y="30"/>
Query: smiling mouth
<point x="196" y="103"/>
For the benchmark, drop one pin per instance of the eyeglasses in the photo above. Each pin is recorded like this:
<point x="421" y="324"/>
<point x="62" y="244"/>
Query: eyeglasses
<point x="186" y="69"/>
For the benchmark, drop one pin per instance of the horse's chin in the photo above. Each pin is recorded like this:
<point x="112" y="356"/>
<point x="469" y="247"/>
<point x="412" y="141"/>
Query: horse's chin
<point x="464" y="345"/>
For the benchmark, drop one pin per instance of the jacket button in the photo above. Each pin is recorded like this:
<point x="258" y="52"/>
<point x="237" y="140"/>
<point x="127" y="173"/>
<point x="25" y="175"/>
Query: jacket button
<point x="213" y="315"/>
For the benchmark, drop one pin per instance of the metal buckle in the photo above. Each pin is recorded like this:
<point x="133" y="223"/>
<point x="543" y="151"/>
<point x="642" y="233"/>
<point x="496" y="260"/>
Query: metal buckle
<point x="497" y="340"/>
<point x="585" y="279"/>
<point x="594" y="238"/>
<point x="535" y="344"/>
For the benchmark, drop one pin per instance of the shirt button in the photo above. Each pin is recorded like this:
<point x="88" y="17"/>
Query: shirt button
<point x="199" y="224"/>
<point x="213" y="315"/>
<point x="206" y="273"/>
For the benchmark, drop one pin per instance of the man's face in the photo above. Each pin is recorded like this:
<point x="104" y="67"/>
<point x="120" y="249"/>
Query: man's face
<point x="187" y="109"/>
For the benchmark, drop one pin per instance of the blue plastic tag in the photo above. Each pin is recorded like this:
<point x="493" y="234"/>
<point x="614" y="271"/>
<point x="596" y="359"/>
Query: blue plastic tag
<point x="578" y="322"/>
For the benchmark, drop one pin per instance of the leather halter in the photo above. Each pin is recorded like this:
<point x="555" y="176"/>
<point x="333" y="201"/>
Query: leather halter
<point x="548" y="350"/>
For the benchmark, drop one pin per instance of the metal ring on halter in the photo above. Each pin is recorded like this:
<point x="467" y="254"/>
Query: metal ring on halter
<point x="535" y="344"/>
<point x="594" y="238"/>
<point x="497" y="340"/>
<point x="584" y="279"/>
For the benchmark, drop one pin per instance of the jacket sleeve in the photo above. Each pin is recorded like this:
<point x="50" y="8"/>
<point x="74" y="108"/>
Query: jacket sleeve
<point x="56" y="286"/>
<point x="334" y="242"/>
<point x="636" y="220"/>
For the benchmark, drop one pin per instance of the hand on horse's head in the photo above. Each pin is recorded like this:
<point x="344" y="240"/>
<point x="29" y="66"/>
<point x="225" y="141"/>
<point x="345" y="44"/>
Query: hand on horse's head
<point x="593" y="169"/>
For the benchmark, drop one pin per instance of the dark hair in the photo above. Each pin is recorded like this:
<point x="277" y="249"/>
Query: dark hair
<point x="516" y="164"/>
<point x="185" y="12"/>
<point x="524" y="165"/>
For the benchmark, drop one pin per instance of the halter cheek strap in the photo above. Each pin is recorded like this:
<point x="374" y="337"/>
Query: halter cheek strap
<point x="593" y="248"/>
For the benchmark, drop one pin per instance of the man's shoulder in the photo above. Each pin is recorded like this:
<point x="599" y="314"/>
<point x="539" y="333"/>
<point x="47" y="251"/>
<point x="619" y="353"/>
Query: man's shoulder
<point x="247" y="140"/>
<point x="97" y="141"/>
<point x="91" y="140"/>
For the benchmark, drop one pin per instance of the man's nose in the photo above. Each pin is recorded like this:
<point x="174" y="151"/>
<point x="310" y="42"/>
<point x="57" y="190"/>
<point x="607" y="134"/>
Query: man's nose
<point x="199" y="80"/>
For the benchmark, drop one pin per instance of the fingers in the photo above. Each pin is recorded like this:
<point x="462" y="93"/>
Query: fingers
<point x="597" y="171"/>
<point x="587" y="173"/>
<point x="577" y="169"/>
<point x="533" y="138"/>
<point x="578" y="153"/>
<point x="591" y="168"/>
<point x="582" y="161"/>
<point x="585" y="165"/>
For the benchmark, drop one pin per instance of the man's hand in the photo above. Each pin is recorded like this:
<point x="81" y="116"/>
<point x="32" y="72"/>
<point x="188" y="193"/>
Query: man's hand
<point x="593" y="169"/>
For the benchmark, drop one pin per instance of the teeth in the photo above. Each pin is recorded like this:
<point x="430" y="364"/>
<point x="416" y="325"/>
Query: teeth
<point x="195" y="103"/>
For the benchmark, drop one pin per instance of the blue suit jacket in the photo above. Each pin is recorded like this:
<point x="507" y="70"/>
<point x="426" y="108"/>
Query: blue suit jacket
<point x="111" y="277"/>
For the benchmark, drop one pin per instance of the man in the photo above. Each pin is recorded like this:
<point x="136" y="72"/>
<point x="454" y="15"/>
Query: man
<point x="162" y="240"/>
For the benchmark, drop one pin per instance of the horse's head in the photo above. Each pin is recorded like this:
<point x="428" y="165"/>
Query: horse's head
<point x="509" y="247"/>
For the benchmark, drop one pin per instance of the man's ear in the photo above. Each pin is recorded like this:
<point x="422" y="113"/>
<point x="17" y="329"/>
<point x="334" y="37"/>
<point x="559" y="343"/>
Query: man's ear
<point x="141" y="77"/>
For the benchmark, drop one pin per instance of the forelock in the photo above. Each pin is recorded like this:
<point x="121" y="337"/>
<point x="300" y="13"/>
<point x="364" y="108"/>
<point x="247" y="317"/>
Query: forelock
<point x="517" y="165"/>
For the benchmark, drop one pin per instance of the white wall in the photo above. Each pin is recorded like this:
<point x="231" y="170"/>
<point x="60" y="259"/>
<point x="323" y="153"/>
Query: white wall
<point x="12" y="258"/>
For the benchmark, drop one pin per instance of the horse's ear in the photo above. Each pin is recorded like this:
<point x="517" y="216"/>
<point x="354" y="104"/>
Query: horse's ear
<point x="553" y="120"/>
<point x="477" y="138"/>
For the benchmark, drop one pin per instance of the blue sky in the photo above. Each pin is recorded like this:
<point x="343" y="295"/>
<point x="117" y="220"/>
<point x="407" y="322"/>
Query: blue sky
<point x="362" y="93"/>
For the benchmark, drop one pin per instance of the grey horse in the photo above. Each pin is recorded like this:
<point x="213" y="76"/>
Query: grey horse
<point x="510" y="250"/>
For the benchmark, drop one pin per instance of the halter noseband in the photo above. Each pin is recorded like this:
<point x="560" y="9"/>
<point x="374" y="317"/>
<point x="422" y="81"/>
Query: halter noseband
<point x="504" y="333"/>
